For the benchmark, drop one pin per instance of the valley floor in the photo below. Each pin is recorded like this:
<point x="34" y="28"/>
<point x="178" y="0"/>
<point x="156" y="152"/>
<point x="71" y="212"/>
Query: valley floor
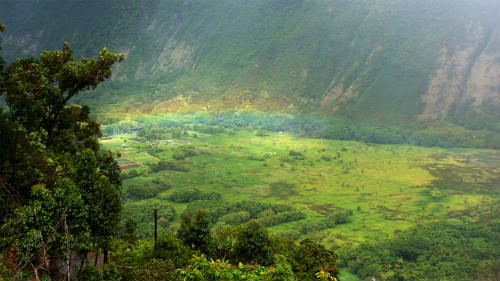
<point x="388" y="188"/>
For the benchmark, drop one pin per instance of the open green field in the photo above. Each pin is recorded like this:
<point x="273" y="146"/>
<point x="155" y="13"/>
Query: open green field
<point x="388" y="188"/>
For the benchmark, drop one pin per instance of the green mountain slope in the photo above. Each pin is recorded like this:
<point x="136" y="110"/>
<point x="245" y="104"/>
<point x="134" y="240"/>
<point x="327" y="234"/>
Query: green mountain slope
<point x="369" y="60"/>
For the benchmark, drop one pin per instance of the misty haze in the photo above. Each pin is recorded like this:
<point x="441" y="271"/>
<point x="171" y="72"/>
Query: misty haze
<point x="249" y="140"/>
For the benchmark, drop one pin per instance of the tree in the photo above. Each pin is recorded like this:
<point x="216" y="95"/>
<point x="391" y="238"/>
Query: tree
<point x="310" y="257"/>
<point x="221" y="242"/>
<point x="58" y="193"/>
<point x="102" y="196"/>
<point x="171" y="248"/>
<point x="130" y="235"/>
<point x="37" y="90"/>
<point x="252" y="245"/>
<point x="195" y="233"/>
<point x="51" y="225"/>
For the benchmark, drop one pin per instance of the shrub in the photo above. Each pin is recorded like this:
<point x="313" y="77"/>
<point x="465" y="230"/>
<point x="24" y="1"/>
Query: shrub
<point x="185" y="196"/>
<point x="192" y="194"/>
<point x="92" y="273"/>
<point x="163" y="222"/>
<point x="132" y="256"/>
<point x="326" y="158"/>
<point x="210" y="196"/>
<point x="280" y="218"/>
<point x="132" y="173"/>
<point x="110" y="273"/>
<point x="235" y="218"/>
<point x="176" y="166"/>
<point x="179" y="155"/>
<point x="297" y="155"/>
<point x="255" y="158"/>
<point x="156" y="269"/>
<point x="266" y="213"/>
<point x="142" y="192"/>
<point x="204" y="270"/>
<point x="341" y="217"/>
<point x="308" y="227"/>
<point x="168" y="247"/>
<point x="164" y="182"/>
<point x="183" y="152"/>
<point x="176" y="133"/>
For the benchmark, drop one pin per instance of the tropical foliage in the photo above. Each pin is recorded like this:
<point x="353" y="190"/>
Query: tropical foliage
<point x="59" y="194"/>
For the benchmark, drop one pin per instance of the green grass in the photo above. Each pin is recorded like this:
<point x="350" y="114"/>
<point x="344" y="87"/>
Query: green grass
<point x="388" y="187"/>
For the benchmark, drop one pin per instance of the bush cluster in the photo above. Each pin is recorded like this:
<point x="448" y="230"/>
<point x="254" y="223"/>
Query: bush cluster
<point x="218" y="209"/>
<point x="192" y="194"/>
<point x="142" y="192"/>
<point x="244" y="252"/>
<point x="336" y="218"/>
<point x="169" y="165"/>
<point x="184" y="152"/>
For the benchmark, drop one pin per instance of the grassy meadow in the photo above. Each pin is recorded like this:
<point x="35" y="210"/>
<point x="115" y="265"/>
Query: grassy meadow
<point x="386" y="188"/>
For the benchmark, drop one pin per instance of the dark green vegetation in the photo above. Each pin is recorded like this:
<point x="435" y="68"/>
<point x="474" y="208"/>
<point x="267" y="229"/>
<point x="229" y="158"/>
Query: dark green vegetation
<point x="434" y="251"/>
<point x="375" y="62"/>
<point x="59" y="196"/>
<point x="243" y="252"/>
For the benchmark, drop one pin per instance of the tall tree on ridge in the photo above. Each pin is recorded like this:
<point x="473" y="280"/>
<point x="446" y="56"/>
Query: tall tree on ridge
<point x="58" y="193"/>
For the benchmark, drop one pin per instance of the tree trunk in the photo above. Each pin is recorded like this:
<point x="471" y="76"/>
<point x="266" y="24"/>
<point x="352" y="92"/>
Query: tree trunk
<point x="105" y="259"/>
<point x="83" y="257"/>
<point x="96" y="256"/>
<point x="68" y="251"/>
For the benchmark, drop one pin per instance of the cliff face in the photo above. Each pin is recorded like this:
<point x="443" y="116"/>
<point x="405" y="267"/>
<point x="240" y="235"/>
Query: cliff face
<point x="375" y="60"/>
<point x="467" y="77"/>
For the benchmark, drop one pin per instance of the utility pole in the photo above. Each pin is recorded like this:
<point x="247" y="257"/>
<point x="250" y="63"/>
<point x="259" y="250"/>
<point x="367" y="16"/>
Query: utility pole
<point x="156" y="225"/>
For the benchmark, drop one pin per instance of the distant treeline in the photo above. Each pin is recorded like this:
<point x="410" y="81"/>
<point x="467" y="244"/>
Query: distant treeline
<point x="441" y="134"/>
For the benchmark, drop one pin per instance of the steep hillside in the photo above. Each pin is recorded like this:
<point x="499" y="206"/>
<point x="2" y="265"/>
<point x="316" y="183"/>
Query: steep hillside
<point x="369" y="60"/>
